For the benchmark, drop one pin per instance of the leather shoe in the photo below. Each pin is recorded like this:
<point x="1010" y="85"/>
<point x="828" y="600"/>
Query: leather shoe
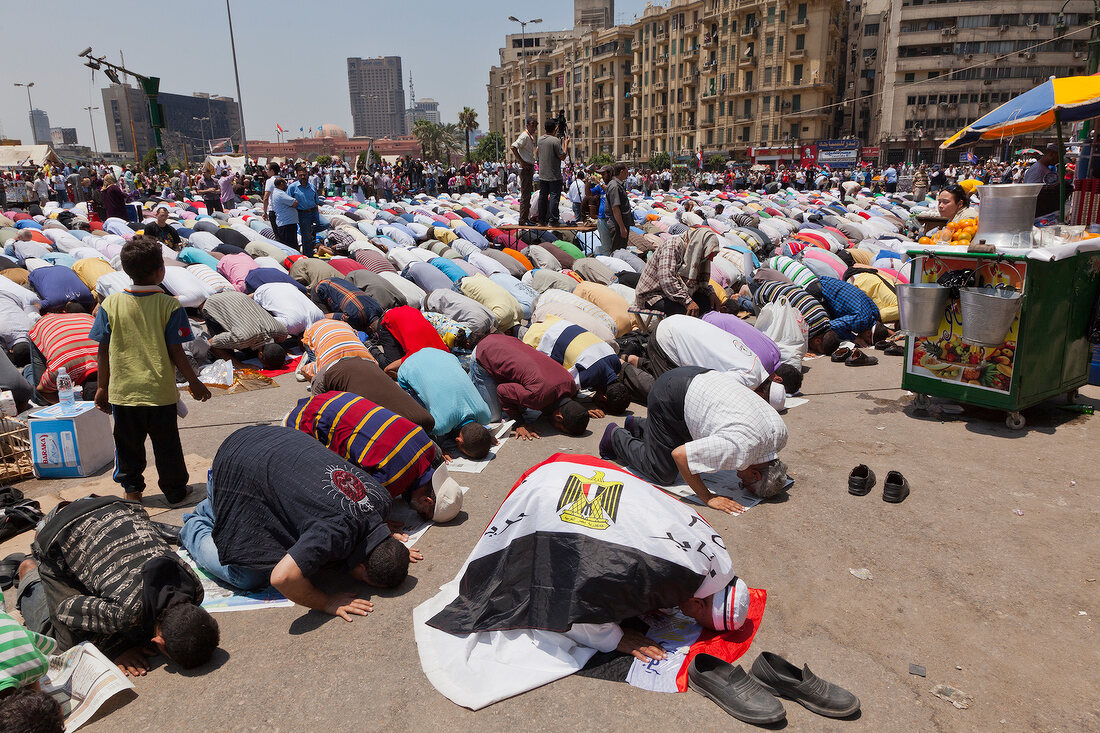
<point x="170" y="533"/>
<point x="861" y="480"/>
<point x="731" y="689"/>
<point x="896" y="488"/>
<point x="780" y="677"/>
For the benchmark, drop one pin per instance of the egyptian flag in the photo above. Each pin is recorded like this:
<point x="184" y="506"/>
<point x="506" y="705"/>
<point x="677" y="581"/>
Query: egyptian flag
<point x="578" y="546"/>
<point x="699" y="157"/>
<point x="279" y="128"/>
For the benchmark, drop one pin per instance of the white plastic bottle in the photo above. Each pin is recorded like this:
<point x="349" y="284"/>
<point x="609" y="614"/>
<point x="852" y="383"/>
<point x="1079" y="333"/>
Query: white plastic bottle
<point x="65" y="396"/>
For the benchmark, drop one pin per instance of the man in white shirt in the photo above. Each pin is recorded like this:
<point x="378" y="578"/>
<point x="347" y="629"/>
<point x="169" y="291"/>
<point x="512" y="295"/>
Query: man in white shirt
<point x="693" y="342"/>
<point x="289" y="306"/>
<point x="524" y="151"/>
<point x="702" y="421"/>
<point x="576" y="194"/>
<point x="269" y="187"/>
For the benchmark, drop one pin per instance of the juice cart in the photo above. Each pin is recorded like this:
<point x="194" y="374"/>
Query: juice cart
<point x="1046" y="296"/>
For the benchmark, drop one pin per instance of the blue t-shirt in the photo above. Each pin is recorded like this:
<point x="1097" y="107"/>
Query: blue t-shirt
<point x="304" y="195"/>
<point x="282" y="204"/>
<point x="264" y="275"/>
<point x="437" y="379"/>
<point x="195" y="256"/>
<point x="57" y="285"/>
<point x="449" y="268"/>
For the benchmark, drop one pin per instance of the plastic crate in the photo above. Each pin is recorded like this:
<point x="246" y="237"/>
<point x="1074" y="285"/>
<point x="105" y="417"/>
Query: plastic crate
<point x="1094" y="366"/>
<point x="15" y="451"/>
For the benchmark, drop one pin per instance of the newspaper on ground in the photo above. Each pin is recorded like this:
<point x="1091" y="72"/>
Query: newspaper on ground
<point x="466" y="464"/>
<point x="412" y="524"/>
<point x="722" y="483"/>
<point x="794" y="402"/>
<point x="81" y="680"/>
<point x="219" y="597"/>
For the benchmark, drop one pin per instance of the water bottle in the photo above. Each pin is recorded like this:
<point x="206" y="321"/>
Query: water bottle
<point x="65" y="396"/>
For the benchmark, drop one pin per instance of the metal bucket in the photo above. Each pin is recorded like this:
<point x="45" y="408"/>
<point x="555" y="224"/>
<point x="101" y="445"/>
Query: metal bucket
<point x="921" y="307"/>
<point x="1007" y="213"/>
<point x="987" y="314"/>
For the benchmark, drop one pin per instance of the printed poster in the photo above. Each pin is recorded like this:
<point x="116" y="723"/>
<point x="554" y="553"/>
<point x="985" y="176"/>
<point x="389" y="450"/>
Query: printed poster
<point x="945" y="355"/>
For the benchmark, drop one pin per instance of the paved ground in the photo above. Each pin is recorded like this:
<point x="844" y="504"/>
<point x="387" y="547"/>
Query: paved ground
<point x="989" y="600"/>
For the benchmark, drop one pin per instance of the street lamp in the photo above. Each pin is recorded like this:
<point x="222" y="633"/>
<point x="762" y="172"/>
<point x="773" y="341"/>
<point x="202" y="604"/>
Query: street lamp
<point x="523" y="49"/>
<point x="237" y="78"/>
<point x="95" y="146"/>
<point x="30" y="109"/>
<point x="202" y="131"/>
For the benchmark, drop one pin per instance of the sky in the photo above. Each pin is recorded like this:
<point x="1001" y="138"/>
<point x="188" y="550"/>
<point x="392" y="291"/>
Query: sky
<point x="292" y="56"/>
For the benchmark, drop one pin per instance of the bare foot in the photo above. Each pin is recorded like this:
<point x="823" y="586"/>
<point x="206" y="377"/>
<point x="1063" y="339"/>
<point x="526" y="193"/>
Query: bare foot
<point x="133" y="496"/>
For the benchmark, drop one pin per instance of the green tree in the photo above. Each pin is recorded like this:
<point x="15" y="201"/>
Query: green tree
<point x="601" y="159"/>
<point x="437" y="142"/>
<point x="323" y="159"/>
<point x="491" y="147"/>
<point x="716" y="162"/>
<point x="150" y="159"/>
<point x="467" y="122"/>
<point x="660" y="161"/>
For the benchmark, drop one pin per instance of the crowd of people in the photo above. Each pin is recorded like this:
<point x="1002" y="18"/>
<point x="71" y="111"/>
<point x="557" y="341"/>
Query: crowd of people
<point x="417" y="321"/>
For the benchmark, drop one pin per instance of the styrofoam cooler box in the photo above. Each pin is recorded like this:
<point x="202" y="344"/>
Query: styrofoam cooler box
<point x="70" y="443"/>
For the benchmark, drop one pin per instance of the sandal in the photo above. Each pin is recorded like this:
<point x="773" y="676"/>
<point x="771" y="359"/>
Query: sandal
<point x="894" y="349"/>
<point x="841" y="354"/>
<point x="858" y="358"/>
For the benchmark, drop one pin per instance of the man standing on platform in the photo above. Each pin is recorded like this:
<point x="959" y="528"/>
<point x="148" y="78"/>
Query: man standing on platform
<point x="524" y="151"/>
<point x="552" y="151"/>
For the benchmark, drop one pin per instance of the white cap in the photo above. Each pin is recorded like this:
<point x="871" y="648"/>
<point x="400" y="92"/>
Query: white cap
<point x="448" y="495"/>
<point x="777" y="396"/>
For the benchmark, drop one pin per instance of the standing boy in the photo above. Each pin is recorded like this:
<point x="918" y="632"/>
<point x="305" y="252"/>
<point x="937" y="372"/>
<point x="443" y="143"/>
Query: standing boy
<point x="140" y="333"/>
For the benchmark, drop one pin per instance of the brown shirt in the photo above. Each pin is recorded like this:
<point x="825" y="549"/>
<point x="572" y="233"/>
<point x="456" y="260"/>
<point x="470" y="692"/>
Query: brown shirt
<point x="366" y="379"/>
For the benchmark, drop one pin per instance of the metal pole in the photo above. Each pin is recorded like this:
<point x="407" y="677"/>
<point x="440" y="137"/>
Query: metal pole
<point x="95" y="146"/>
<point x="523" y="50"/>
<point x="1061" y="168"/>
<point x="237" y="78"/>
<point x="30" y="110"/>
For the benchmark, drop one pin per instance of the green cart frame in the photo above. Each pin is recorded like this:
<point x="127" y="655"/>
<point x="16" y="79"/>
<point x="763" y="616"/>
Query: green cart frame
<point x="1049" y="355"/>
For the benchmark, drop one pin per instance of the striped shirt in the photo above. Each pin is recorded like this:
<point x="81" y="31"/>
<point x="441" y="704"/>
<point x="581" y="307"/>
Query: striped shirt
<point x="212" y="278"/>
<point x="63" y="340"/>
<point x="243" y="323"/>
<point x="103" y="551"/>
<point x="795" y="271"/>
<point x="396" y="452"/>
<point x="22" y="654"/>
<point x="330" y="341"/>
<point x="374" y="261"/>
<point x="347" y="302"/>
<point x="590" y="359"/>
<point x="817" y="319"/>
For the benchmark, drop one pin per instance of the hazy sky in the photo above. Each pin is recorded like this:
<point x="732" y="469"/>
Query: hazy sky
<point x="292" y="56"/>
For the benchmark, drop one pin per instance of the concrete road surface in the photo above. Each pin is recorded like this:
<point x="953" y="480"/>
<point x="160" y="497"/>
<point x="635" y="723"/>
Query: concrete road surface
<point x="986" y="576"/>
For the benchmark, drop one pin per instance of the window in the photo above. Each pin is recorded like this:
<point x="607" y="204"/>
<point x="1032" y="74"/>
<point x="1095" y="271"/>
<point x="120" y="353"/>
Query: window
<point x="910" y="77"/>
<point x="800" y="42"/>
<point x="767" y="106"/>
<point x="796" y="103"/>
<point x="781" y="44"/>
<point x="767" y="75"/>
<point x="870" y="29"/>
<point x="748" y="108"/>
<point x="769" y="44"/>
<point x="801" y="13"/>
<point x="771" y="14"/>
<point x="798" y="73"/>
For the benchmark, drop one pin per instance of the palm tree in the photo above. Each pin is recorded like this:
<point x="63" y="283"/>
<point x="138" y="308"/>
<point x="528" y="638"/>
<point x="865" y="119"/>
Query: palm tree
<point x="426" y="134"/>
<point x="467" y="121"/>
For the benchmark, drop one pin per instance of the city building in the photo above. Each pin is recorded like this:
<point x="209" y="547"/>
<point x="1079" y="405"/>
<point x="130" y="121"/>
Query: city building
<point x="377" y="96"/>
<point x="422" y="109"/>
<point x="593" y="14"/>
<point x="333" y="141"/>
<point x="193" y="124"/>
<point x="40" y="126"/>
<point x="920" y="71"/>
<point x="63" y="136"/>
<point x="745" y="79"/>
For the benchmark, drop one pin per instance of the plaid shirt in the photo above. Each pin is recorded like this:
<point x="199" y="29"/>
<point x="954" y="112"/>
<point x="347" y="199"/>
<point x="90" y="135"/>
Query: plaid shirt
<point x="347" y="302"/>
<point x="851" y="310"/>
<point x="732" y="428"/>
<point x="771" y="291"/>
<point x="661" y="277"/>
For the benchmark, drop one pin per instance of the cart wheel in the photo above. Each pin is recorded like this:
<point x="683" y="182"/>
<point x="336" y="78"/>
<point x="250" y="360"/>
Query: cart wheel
<point x="1015" y="421"/>
<point x="922" y="402"/>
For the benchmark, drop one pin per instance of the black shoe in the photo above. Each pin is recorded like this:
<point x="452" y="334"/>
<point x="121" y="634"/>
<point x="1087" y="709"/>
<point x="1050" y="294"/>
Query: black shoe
<point x="896" y="488"/>
<point x="782" y="678"/>
<point x="606" y="452"/>
<point x="9" y="569"/>
<point x="734" y="691"/>
<point x="861" y="480"/>
<point x="170" y="533"/>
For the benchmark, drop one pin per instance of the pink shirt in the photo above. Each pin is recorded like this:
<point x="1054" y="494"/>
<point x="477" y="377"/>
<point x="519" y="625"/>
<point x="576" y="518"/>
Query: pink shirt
<point x="235" y="268"/>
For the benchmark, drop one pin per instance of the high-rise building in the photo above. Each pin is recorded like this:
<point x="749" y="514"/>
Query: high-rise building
<point x="422" y="109"/>
<point x="593" y="14"/>
<point x="377" y="96"/>
<point x="63" y="136"/>
<point x="191" y="122"/>
<point x="920" y="71"/>
<point x="745" y="79"/>
<point x="40" y="127"/>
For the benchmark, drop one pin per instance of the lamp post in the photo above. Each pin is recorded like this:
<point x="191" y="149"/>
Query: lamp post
<point x="523" y="49"/>
<point x="95" y="146"/>
<point x="30" y="109"/>
<point x="202" y="131"/>
<point x="237" y="78"/>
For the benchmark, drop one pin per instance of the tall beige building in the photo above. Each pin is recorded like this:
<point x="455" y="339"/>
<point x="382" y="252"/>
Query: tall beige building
<point x="723" y="76"/>
<point x="920" y="71"/>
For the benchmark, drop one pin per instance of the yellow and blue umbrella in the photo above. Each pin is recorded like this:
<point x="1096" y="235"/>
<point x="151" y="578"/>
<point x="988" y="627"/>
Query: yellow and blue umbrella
<point x="1071" y="99"/>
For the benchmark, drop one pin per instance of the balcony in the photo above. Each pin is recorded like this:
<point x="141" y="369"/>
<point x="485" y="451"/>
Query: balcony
<point x="746" y="61"/>
<point x="691" y="53"/>
<point x="749" y="32"/>
<point x="689" y="28"/>
<point x="659" y="109"/>
<point x="635" y="68"/>
<point x="709" y="94"/>
<point x="659" y="85"/>
<point x="796" y="53"/>
<point x="711" y="39"/>
<point x="636" y="111"/>
<point x="710" y="66"/>
<point x="661" y="33"/>
<point x="662" y="60"/>
<point x="799" y="24"/>
<point x="691" y="79"/>
<point x="709" y="122"/>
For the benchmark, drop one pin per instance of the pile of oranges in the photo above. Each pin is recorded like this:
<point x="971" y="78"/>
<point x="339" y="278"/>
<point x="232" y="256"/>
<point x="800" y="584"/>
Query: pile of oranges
<point x="958" y="233"/>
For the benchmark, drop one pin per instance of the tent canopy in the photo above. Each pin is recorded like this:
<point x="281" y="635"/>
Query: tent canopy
<point x="25" y="156"/>
<point x="235" y="162"/>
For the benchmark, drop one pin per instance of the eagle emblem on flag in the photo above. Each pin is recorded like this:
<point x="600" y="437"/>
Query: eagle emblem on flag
<point x="590" y="501"/>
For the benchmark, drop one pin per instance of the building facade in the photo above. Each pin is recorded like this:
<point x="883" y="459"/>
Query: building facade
<point x="191" y="122"/>
<point x="739" y="78"/>
<point x="377" y="96"/>
<point x="920" y="71"/>
<point x="63" y="136"/>
<point x="593" y="14"/>
<point x="40" y="126"/>
<point x="422" y="109"/>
